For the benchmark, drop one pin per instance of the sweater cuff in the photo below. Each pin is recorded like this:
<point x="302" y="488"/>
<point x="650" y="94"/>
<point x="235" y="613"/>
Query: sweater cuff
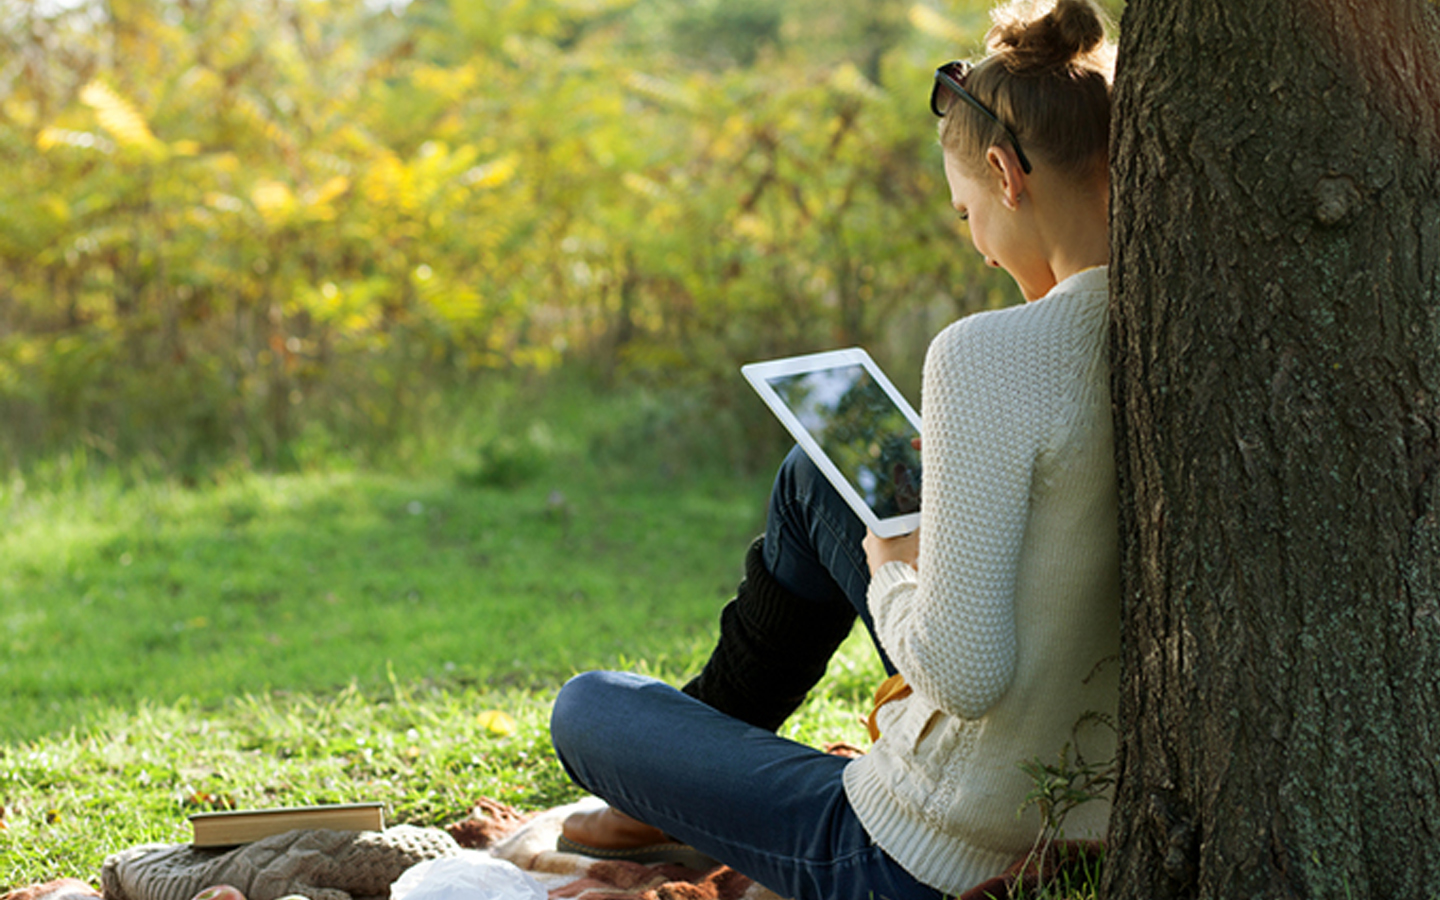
<point x="890" y="581"/>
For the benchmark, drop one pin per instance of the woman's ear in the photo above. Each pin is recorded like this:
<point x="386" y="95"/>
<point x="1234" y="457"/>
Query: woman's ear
<point x="1009" y="175"/>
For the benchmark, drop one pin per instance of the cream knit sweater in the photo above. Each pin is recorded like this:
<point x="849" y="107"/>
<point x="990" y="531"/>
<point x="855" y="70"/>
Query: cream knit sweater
<point x="1008" y="632"/>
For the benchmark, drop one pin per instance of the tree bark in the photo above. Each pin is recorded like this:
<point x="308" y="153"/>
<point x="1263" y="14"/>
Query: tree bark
<point x="1276" y="359"/>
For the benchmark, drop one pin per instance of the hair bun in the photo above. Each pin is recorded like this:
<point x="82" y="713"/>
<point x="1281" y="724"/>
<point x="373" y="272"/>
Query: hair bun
<point x="1031" y="38"/>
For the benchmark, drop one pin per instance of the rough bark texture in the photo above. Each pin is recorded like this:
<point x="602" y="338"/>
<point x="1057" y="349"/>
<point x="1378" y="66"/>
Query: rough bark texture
<point x="1276" y="274"/>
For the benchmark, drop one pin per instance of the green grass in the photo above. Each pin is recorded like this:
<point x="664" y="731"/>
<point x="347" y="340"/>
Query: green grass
<point x="422" y="748"/>
<point x="335" y="633"/>
<point x="460" y="567"/>
<point x="311" y="581"/>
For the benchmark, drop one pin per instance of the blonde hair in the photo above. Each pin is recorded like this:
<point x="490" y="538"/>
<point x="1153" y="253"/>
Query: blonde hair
<point x="1046" y="76"/>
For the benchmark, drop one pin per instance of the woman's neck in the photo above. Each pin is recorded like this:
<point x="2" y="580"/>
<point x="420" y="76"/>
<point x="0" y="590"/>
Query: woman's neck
<point x="1079" y="231"/>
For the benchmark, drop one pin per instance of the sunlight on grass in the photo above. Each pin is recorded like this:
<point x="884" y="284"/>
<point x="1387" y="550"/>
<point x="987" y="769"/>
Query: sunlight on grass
<point x="426" y="750"/>
<point x="348" y="633"/>
<point x="309" y="581"/>
<point x="343" y="634"/>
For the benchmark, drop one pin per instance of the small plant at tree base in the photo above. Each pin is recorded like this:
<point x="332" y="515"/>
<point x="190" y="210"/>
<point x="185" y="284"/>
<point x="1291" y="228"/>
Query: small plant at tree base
<point x="1060" y="787"/>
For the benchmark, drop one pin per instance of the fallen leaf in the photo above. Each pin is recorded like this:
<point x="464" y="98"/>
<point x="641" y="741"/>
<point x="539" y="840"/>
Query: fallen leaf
<point x="496" y="722"/>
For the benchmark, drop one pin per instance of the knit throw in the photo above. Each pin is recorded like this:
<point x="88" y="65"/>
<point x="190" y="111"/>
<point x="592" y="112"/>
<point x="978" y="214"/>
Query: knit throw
<point x="320" y="865"/>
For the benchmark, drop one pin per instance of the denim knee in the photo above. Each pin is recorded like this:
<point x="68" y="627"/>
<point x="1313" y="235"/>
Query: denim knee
<point x="796" y="479"/>
<point x="577" y="697"/>
<point x="577" y="700"/>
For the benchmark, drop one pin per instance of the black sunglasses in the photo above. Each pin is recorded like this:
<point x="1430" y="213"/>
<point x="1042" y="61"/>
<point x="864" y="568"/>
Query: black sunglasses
<point x="951" y="75"/>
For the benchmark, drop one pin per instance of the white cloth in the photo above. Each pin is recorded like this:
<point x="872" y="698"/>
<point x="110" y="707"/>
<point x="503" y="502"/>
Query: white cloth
<point x="1009" y="631"/>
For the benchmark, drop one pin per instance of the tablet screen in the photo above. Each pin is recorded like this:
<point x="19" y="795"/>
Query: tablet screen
<point x="861" y="429"/>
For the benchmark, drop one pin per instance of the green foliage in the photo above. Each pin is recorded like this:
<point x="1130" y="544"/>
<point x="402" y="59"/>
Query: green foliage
<point x="507" y="461"/>
<point x="1070" y="781"/>
<point x="1059" y="787"/>
<point x="227" y="225"/>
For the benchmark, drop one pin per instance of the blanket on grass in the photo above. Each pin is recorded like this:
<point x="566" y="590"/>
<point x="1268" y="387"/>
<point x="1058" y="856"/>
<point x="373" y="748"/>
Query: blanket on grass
<point x="531" y="846"/>
<point x="571" y="876"/>
<point x="331" y="865"/>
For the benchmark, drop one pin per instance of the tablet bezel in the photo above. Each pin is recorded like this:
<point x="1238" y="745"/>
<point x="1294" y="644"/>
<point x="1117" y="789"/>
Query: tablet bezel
<point x="758" y="373"/>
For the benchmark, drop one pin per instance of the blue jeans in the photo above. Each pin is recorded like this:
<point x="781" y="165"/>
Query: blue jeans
<point x="813" y="544"/>
<point x="766" y="806"/>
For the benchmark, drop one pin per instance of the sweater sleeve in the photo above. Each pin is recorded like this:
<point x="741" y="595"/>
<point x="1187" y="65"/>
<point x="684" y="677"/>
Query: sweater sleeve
<point x="950" y="627"/>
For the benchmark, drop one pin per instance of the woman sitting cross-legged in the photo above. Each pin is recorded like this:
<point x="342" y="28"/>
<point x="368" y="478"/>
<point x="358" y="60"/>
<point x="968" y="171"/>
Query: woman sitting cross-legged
<point x="996" y="617"/>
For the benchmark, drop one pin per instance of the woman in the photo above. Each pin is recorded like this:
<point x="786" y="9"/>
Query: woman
<point x="999" y="621"/>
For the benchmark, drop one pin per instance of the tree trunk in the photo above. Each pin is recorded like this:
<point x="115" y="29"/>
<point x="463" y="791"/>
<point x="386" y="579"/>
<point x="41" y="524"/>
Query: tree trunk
<point x="1276" y="349"/>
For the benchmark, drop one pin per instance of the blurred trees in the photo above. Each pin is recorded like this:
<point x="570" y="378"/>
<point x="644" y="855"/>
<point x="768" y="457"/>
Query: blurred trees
<point x="228" y="223"/>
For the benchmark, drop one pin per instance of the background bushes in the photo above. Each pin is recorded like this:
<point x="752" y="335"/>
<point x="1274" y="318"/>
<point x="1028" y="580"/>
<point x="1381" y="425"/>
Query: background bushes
<point x="234" y="229"/>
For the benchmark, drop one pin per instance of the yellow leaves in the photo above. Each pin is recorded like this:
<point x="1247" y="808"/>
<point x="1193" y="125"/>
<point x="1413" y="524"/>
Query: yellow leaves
<point x="55" y="205"/>
<point x="120" y="118"/>
<point x="369" y="185"/>
<point x="328" y="191"/>
<point x="38" y="227"/>
<point x="430" y="187"/>
<point x="748" y="225"/>
<point x="497" y="723"/>
<point x="278" y="205"/>
<point x="660" y="89"/>
<point x="453" y="83"/>
<point x="388" y="183"/>
<point x="27" y="353"/>
<point x="594" y="7"/>
<point x="127" y="129"/>
<point x="201" y="82"/>
<point x="665" y="207"/>
<point x="931" y="22"/>
<point x="453" y="301"/>
<point x="236" y="41"/>
<point x="456" y="303"/>
<point x="353" y="307"/>
<point x="494" y="173"/>
<point x="731" y="140"/>
<point x="319" y="202"/>
<point x="21" y="112"/>
<point x="646" y="187"/>
<point x="52" y="137"/>
<point x="540" y="357"/>
<point x="223" y="202"/>
<point x="274" y="201"/>
<point x="226" y="163"/>
<point x="259" y="118"/>
<point x="848" y="79"/>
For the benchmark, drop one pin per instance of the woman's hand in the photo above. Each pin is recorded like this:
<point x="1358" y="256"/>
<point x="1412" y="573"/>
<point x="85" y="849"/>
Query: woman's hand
<point x="879" y="551"/>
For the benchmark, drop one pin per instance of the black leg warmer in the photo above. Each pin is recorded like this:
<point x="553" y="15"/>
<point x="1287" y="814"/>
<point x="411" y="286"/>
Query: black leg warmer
<point x="773" y="648"/>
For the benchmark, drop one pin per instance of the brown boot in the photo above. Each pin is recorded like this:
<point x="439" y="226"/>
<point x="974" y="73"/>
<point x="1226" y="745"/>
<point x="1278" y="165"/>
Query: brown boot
<point x="607" y="833"/>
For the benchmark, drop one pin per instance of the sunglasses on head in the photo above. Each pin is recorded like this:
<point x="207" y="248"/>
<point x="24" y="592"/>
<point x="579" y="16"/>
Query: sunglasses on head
<point x="952" y="76"/>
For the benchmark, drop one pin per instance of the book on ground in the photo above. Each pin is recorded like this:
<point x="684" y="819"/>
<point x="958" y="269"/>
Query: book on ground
<point x="241" y="826"/>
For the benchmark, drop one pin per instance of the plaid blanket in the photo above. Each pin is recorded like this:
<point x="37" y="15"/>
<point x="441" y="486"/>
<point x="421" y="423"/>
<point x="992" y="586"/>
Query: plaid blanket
<point x="530" y="844"/>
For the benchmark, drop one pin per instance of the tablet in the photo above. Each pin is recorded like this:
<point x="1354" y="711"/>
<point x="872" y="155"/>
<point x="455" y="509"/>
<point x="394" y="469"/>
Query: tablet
<point x="855" y="426"/>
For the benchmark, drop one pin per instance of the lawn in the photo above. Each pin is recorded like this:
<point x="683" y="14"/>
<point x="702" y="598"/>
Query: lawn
<point x="351" y="631"/>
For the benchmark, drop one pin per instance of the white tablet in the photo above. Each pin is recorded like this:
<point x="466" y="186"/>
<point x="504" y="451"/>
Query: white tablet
<point x="856" y="427"/>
